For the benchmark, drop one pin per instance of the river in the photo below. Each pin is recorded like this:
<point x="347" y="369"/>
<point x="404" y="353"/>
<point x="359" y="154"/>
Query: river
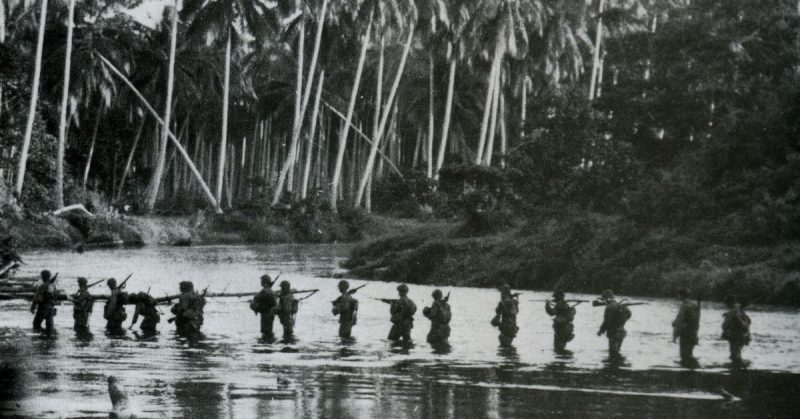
<point x="231" y="373"/>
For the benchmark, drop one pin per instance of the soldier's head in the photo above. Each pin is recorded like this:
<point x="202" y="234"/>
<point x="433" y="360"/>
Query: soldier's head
<point x="112" y="283"/>
<point x="266" y="280"/>
<point x="402" y="289"/>
<point x="558" y="295"/>
<point x="607" y="295"/>
<point x="82" y="283"/>
<point x="437" y="295"/>
<point x="730" y="300"/>
<point x="45" y="275"/>
<point x="505" y="289"/>
<point x="285" y="285"/>
<point x="683" y="293"/>
<point x="186" y="286"/>
<point x="343" y="286"/>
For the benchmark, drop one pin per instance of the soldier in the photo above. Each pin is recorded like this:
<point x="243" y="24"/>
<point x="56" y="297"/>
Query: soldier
<point x="346" y="307"/>
<point x="286" y="310"/>
<point x="44" y="302"/>
<point x="735" y="328"/>
<point x="188" y="310"/>
<point x="563" y="314"/>
<point x="505" y="317"/>
<point x="685" y="326"/>
<point x="82" y="304"/>
<point x="439" y="314"/>
<point x="146" y="307"/>
<point x="114" y="310"/>
<point x="264" y="304"/>
<point x="614" y="319"/>
<point x="402" y="311"/>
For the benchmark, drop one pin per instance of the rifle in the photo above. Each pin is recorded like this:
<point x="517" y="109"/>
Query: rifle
<point x="597" y="303"/>
<point x="53" y="279"/>
<point x="307" y="296"/>
<point x="302" y="291"/>
<point x="271" y="284"/>
<point x="387" y="300"/>
<point x="567" y="301"/>
<point x="353" y="291"/>
<point x="122" y="285"/>
<point x="94" y="283"/>
<point x="447" y="297"/>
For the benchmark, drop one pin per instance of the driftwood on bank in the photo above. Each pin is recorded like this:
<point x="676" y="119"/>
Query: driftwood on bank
<point x="73" y="207"/>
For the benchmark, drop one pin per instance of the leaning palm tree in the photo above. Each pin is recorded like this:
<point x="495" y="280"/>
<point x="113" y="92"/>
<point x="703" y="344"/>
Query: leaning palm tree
<point x="62" y="122"/>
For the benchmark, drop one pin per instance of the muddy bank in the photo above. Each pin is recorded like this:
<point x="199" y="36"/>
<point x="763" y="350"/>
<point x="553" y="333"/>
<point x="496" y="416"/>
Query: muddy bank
<point x="584" y="254"/>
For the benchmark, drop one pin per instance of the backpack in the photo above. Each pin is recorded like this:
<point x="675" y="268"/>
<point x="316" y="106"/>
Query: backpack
<point x="446" y="314"/>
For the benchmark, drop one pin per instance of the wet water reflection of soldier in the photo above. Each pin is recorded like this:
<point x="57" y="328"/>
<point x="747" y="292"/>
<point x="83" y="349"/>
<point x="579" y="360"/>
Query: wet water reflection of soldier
<point x="188" y="310"/>
<point x="346" y="307"/>
<point x="686" y="325"/>
<point x="505" y="317"/>
<point x="402" y="311"/>
<point x="264" y="303"/>
<point x="440" y="315"/>
<point x="82" y="304"/>
<point x="145" y="307"/>
<point x="114" y="310"/>
<point x="286" y="309"/>
<point x="614" y="319"/>
<point x="563" y="315"/>
<point x="44" y="302"/>
<point x="736" y="328"/>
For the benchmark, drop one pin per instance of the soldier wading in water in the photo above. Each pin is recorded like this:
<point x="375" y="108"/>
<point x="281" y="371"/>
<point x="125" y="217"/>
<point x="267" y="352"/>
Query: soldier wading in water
<point x="439" y="314"/>
<point x="736" y="329"/>
<point x="346" y="307"/>
<point x="563" y="315"/>
<point x="402" y="311"/>
<point x="188" y="310"/>
<point x="82" y="304"/>
<point x="264" y="304"/>
<point x="686" y="325"/>
<point x="287" y="309"/>
<point x="114" y="310"/>
<point x="614" y="319"/>
<point x="44" y="303"/>
<point x="505" y="317"/>
<point x="145" y="307"/>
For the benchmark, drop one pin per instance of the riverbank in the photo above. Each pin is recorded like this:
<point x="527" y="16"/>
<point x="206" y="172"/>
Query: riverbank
<point x="75" y="231"/>
<point x="586" y="253"/>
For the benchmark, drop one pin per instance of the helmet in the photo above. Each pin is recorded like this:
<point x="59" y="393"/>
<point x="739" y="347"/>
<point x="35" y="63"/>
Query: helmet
<point x="504" y="289"/>
<point x="285" y="285"/>
<point x="344" y="285"/>
<point x="402" y="289"/>
<point x="607" y="294"/>
<point x="186" y="286"/>
<point x="437" y="294"/>
<point x="82" y="282"/>
<point x="45" y="275"/>
<point x="558" y="295"/>
<point x="265" y="280"/>
<point x="112" y="283"/>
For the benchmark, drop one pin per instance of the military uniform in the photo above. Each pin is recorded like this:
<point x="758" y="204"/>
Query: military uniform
<point x="402" y="311"/>
<point x="439" y="314"/>
<point x="286" y="309"/>
<point x="563" y="329"/>
<point x="685" y="327"/>
<point x="614" y="319"/>
<point x="82" y="304"/>
<point x="44" y="303"/>
<point x="146" y="307"/>
<point x="736" y="329"/>
<point x="346" y="307"/>
<point x="505" y="317"/>
<point x="114" y="310"/>
<point x="189" y="310"/>
<point x="264" y="304"/>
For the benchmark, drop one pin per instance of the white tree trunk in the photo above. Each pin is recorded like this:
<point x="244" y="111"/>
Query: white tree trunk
<point x="596" y="54"/>
<point x="91" y="150"/>
<point x="62" y="121"/>
<point x="492" y="133"/>
<point x="431" y="122"/>
<point x="447" y="112"/>
<point x="128" y="162"/>
<point x="37" y="70"/>
<point x="498" y="52"/>
<point x="223" y="145"/>
<point x="386" y="111"/>
<point x="337" y="171"/>
<point x="310" y="145"/>
<point x="503" y="132"/>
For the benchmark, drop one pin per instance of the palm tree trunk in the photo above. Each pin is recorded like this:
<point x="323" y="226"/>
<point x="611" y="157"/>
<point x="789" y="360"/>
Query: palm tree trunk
<point x="155" y="183"/>
<point x="447" y="112"/>
<point x="37" y="70"/>
<point x="226" y="90"/>
<point x="492" y="133"/>
<point x="337" y="171"/>
<point x="596" y="55"/>
<point x="310" y="145"/>
<point x="62" y="121"/>
<point x="503" y="132"/>
<point x="431" y="91"/>
<point x="128" y="163"/>
<point x="489" y="98"/>
<point x="91" y="150"/>
<point x="2" y="41"/>
<point x="386" y="111"/>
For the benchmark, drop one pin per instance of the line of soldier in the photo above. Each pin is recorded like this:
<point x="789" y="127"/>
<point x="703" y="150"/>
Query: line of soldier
<point x="188" y="313"/>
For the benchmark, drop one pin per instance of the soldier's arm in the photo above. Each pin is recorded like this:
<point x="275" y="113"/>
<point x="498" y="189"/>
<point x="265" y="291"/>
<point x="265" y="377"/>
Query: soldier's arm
<point x="604" y="326"/>
<point x="549" y="309"/>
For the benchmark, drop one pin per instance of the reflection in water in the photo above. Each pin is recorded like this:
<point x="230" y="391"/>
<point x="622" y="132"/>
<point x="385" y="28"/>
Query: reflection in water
<point x="230" y="372"/>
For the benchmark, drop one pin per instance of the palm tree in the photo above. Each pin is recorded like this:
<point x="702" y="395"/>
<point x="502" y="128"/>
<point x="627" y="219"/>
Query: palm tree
<point x="37" y="70"/>
<point x="62" y="123"/>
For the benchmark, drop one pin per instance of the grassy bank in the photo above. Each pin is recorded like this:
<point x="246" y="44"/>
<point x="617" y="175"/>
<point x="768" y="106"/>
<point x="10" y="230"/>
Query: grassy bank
<point x="584" y="253"/>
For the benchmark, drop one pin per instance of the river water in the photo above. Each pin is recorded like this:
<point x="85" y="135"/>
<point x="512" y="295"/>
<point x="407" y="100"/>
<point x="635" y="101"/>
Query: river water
<point x="231" y="373"/>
